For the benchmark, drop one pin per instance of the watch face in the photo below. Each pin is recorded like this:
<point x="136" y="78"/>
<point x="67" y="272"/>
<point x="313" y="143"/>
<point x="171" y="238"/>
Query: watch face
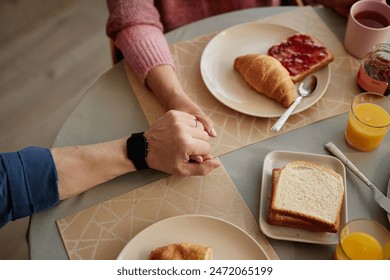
<point x="137" y="150"/>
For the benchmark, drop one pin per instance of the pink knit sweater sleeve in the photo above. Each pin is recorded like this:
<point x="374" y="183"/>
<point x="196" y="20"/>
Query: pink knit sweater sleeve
<point x="137" y="31"/>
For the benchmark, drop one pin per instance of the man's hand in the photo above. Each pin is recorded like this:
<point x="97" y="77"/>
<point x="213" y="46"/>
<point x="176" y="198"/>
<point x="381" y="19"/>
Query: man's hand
<point x="175" y="139"/>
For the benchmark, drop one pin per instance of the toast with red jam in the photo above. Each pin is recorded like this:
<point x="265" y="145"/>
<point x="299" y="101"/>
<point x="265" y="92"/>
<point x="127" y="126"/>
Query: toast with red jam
<point x="301" y="55"/>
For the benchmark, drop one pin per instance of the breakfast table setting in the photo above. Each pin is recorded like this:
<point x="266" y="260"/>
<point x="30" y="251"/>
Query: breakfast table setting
<point x="126" y="217"/>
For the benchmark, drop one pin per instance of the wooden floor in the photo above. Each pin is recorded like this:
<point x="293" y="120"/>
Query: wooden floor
<point x="51" y="52"/>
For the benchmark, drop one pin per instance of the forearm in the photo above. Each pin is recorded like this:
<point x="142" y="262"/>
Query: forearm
<point x="144" y="47"/>
<point x="28" y="183"/>
<point x="136" y="29"/>
<point x="80" y="168"/>
<point x="163" y="82"/>
<point x="340" y="7"/>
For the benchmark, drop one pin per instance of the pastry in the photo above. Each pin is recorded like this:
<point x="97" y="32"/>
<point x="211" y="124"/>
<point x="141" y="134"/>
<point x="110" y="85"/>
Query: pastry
<point x="266" y="75"/>
<point x="182" y="251"/>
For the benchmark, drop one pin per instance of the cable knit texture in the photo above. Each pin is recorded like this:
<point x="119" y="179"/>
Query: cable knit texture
<point x="137" y="26"/>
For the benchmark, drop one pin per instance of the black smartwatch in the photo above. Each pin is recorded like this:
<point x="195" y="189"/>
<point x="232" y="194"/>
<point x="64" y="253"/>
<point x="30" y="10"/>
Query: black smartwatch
<point x="137" y="150"/>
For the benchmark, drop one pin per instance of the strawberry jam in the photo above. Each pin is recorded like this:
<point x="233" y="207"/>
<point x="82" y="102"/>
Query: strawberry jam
<point x="298" y="53"/>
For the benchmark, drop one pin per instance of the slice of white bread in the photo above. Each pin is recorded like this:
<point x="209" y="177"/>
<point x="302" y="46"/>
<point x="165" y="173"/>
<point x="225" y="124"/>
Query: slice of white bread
<point x="309" y="192"/>
<point x="286" y="221"/>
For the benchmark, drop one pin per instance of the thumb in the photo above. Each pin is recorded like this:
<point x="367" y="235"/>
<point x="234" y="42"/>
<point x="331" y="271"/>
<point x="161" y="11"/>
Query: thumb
<point x="203" y="168"/>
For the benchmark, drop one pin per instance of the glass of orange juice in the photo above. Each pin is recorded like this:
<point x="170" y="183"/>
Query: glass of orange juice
<point x="368" y="121"/>
<point x="363" y="239"/>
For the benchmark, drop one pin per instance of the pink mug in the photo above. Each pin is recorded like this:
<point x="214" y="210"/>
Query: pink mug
<point x="368" y="25"/>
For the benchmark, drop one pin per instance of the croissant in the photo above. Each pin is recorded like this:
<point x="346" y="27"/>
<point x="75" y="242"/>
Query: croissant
<point x="182" y="251"/>
<point x="267" y="75"/>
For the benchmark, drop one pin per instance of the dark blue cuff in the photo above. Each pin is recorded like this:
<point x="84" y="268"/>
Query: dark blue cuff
<point x="28" y="183"/>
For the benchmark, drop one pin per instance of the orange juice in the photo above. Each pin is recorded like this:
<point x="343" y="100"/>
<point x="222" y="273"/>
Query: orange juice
<point x="367" y="125"/>
<point x="386" y="251"/>
<point x="359" y="246"/>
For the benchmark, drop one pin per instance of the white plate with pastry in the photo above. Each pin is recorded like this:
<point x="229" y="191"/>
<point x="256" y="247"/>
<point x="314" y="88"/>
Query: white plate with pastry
<point x="279" y="159"/>
<point x="228" y="242"/>
<point x="227" y="86"/>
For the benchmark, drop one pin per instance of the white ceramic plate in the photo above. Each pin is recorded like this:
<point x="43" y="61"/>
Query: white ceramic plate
<point x="227" y="240"/>
<point x="229" y="87"/>
<point x="278" y="159"/>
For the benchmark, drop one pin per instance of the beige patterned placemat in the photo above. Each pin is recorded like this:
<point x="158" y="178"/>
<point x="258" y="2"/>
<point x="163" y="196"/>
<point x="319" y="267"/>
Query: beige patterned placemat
<point x="102" y="231"/>
<point x="236" y="130"/>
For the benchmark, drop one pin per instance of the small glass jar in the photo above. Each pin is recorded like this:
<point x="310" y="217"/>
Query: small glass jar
<point x="374" y="71"/>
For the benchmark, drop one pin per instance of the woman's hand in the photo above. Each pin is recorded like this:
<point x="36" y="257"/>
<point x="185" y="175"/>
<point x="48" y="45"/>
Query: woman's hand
<point x="163" y="82"/>
<point x="174" y="139"/>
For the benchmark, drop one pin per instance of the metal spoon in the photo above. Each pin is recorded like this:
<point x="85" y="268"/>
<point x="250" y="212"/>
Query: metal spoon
<point x="305" y="88"/>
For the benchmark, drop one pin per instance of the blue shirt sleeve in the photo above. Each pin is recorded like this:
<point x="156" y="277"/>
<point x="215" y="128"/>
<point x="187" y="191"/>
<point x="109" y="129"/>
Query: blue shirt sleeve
<point x="28" y="183"/>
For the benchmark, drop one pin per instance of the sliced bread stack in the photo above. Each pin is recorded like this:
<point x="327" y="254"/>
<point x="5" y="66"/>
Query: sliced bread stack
<point x="306" y="195"/>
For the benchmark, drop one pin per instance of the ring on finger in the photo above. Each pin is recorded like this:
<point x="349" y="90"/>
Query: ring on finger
<point x="196" y="123"/>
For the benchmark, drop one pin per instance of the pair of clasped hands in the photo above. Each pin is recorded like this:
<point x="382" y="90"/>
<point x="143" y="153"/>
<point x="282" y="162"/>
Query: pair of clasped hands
<point x="179" y="144"/>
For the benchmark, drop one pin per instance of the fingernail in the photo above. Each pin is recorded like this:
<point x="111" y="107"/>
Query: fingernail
<point x="213" y="133"/>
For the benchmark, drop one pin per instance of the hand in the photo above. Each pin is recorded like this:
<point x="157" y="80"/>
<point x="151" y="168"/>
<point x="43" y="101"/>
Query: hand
<point x="162" y="80"/>
<point x="174" y="139"/>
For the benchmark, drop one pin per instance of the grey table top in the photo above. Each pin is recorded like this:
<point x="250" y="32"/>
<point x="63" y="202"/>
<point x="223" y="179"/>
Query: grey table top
<point x="109" y="109"/>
